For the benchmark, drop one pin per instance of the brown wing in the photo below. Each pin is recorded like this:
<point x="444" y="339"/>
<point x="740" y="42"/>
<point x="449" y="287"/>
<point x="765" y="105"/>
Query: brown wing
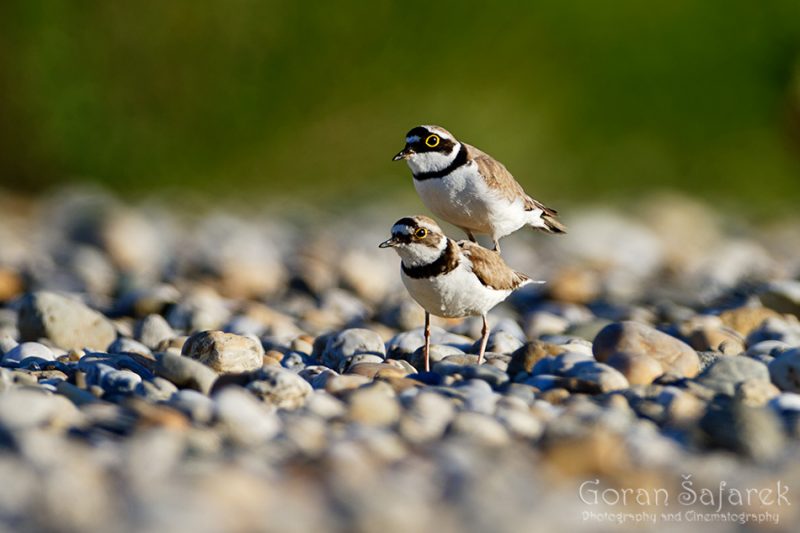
<point x="490" y="268"/>
<point x="498" y="176"/>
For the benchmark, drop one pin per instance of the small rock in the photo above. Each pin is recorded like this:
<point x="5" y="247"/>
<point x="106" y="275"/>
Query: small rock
<point x="69" y="323"/>
<point x="785" y="370"/>
<point x="245" y="419"/>
<point x="152" y="330"/>
<point x="226" y="353"/>
<point x="606" y="378"/>
<point x="194" y="404"/>
<point x="753" y="432"/>
<point x="342" y="346"/>
<point x="782" y="296"/>
<point x="525" y="357"/>
<point x="427" y="417"/>
<point x="727" y="372"/>
<point x="498" y="342"/>
<point x="373" y="370"/>
<point x="638" y="369"/>
<point x="128" y="346"/>
<point x="745" y="319"/>
<point x="280" y="387"/>
<point x="28" y="349"/>
<point x="374" y="405"/>
<point x="636" y="338"/>
<point x="718" y="339"/>
<point x="28" y="408"/>
<point x="756" y="392"/>
<point x="185" y="372"/>
<point x="480" y="428"/>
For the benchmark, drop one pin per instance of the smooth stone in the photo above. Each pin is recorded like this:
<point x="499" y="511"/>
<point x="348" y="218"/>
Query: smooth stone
<point x="69" y="323"/>
<point x="479" y="396"/>
<point x="776" y="329"/>
<point x="374" y="405"/>
<point x="785" y="370"/>
<point x="786" y="401"/>
<point x="606" y="378"/>
<point x="196" y="405"/>
<point x="718" y="339"/>
<point x="559" y="364"/>
<point x="280" y="387"/>
<point x="74" y="394"/>
<point x="756" y="392"/>
<point x="120" y="382"/>
<point x="185" y="372"/>
<point x="426" y="418"/>
<point x="245" y="419"/>
<point x="773" y="348"/>
<point x="544" y="382"/>
<point x="746" y="319"/>
<point x="540" y="323"/>
<point x="325" y="406"/>
<point x="361" y="358"/>
<point x="373" y="370"/>
<point x="525" y="357"/>
<point x="782" y="296"/>
<point x="673" y="354"/>
<point x="638" y="369"/>
<point x="680" y="407"/>
<point x="479" y="428"/>
<point x="342" y="346"/>
<point x="124" y="345"/>
<point x="28" y="349"/>
<point x="498" y="342"/>
<point x="337" y="384"/>
<point x="226" y="353"/>
<point x="152" y="330"/>
<point x="520" y="423"/>
<point x="22" y="409"/>
<point x="754" y="432"/>
<point x="727" y="372"/>
<point x="156" y="390"/>
<point x="7" y="343"/>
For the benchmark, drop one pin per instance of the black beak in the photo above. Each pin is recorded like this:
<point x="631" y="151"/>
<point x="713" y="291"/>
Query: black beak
<point x="403" y="154"/>
<point x="389" y="243"/>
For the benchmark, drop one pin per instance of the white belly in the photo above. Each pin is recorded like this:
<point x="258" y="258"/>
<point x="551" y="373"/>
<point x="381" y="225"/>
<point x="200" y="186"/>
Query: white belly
<point x="463" y="199"/>
<point x="458" y="293"/>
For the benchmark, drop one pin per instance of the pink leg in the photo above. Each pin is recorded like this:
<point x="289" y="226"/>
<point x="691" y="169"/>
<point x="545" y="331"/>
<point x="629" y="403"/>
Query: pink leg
<point x="484" y="340"/>
<point x="426" y="351"/>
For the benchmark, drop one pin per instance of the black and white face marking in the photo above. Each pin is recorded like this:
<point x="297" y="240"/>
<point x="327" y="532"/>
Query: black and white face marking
<point x="428" y="149"/>
<point x="417" y="240"/>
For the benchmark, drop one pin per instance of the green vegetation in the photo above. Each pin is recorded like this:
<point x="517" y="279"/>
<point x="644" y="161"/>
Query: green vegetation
<point x="580" y="99"/>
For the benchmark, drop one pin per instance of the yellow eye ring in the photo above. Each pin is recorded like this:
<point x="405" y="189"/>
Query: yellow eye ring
<point x="432" y="141"/>
<point x="421" y="233"/>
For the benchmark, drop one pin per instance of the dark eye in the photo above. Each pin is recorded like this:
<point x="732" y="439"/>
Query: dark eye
<point x="432" y="141"/>
<point x="420" y="233"/>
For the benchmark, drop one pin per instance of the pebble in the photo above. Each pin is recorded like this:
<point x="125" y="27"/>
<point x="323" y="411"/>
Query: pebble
<point x="727" y="372"/>
<point x="479" y="428"/>
<point x="280" y="387"/>
<point x="129" y="346"/>
<point x="746" y="319"/>
<point x="225" y="353"/>
<point x="185" y="372"/>
<point x="342" y="346"/>
<point x="751" y="431"/>
<point x="374" y="405"/>
<point x="602" y="376"/>
<point x="785" y="370"/>
<point x="68" y="322"/>
<point x="28" y="349"/>
<point x="152" y="330"/>
<point x="632" y="337"/>
<point x="638" y="368"/>
<point x="782" y="296"/>
<point x="246" y="420"/>
<point x="526" y="356"/>
<point x="426" y="418"/>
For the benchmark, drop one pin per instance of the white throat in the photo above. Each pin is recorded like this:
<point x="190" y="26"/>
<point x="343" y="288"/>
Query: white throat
<point x="417" y="255"/>
<point x="432" y="161"/>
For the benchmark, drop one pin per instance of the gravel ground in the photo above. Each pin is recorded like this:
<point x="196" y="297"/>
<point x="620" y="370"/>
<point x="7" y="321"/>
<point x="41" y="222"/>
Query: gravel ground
<point x="228" y="372"/>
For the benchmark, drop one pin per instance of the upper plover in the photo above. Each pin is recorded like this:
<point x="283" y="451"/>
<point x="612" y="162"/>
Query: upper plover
<point x="469" y="188"/>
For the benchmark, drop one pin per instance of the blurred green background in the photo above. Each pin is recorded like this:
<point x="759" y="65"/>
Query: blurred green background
<point x="581" y="100"/>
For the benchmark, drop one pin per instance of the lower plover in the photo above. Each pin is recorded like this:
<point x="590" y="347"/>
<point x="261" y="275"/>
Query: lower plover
<point x="448" y="278"/>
